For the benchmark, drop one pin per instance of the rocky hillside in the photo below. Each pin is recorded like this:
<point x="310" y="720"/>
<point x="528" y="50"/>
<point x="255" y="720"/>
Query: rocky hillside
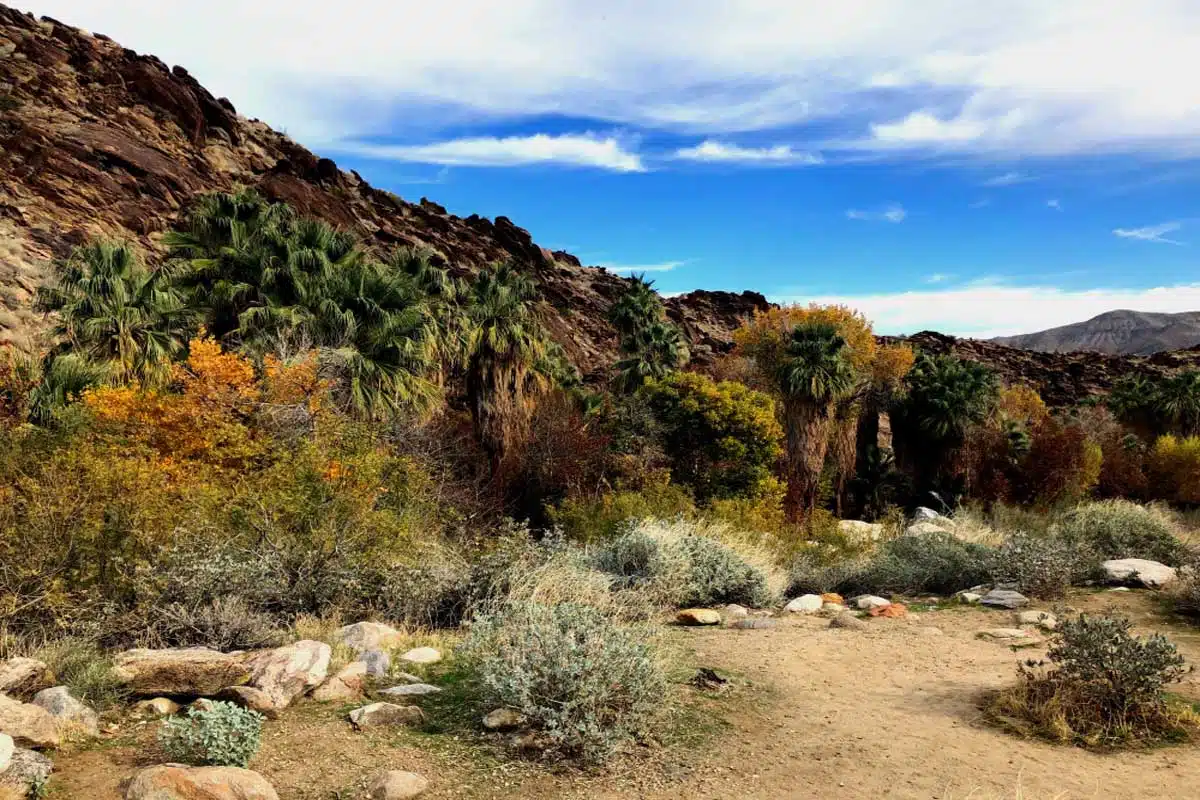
<point x="96" y="139"/>
<point x="1121" y="332"/>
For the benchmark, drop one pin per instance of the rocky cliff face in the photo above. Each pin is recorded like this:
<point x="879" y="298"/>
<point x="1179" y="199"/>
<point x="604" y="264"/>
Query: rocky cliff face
<point x="96" y="139"/>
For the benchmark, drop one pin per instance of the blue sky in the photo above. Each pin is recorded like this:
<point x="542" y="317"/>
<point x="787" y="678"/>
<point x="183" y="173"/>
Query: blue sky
<point x="975" y="167"/>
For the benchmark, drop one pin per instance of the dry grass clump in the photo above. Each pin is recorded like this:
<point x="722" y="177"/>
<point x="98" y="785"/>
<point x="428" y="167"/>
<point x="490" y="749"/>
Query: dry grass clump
<point x="1102" y="687"/>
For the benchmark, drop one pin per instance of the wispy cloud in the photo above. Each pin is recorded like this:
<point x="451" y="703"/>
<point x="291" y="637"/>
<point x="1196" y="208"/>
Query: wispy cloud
<point x="894" y="214"/>
<point x="662" y="266"/>
<point x="1008" y="179"/>
<point x="984" y="310"/>
<point x="938" y="277"/>
<point x="1150" y="233"/>
<point x="711" y="150"/>
<point x="1054" y="203"/>
<point x="578" y="150"/>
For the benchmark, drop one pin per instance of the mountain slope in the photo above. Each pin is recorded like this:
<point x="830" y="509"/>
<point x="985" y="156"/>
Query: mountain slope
<point x="1119" y="332"/>
<point x="96" y="139"/>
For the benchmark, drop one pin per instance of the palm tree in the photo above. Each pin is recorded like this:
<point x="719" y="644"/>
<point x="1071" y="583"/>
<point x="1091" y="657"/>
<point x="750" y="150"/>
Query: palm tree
<point x="443" y="296"/>
<point x="651" y="354"/>
<point x="505" y="343"/>
<point x="945" y="397"/>
<point x="814" y="372"/>
<point x="115" y="312"/>
<point x="638" y="307"/>
<point x="1177" y="402"/>
<point x="1134" y="400"/>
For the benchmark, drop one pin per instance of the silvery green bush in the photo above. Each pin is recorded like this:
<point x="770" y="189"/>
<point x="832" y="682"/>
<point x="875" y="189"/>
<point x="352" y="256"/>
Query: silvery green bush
<point x="1121" y="529"/>
<point x="586" y="684"/>
<point x="1041" y="566"/>
<point x="217" y="734"/>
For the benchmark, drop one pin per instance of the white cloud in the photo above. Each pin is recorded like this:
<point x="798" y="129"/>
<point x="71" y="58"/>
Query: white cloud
<point x="720" y="152"/>
<point x="1150" y="233"/>
<point x="632" y="269"/>
<point x="1054" y="203"/>
<point x="1023" y="77"/>
<point x="984" y="310"/>
<point x="892" y="214"/>
<point x="584" y="150"/>
<point x="938" y="277"/>
<point x="1009" y="179"/>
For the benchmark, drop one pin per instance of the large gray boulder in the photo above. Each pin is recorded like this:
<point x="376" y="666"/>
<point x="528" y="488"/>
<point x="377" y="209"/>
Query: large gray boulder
<point x="1150" y="574"/>
<point x="72" y="715"/>
<point x="1004" y="598"/>
<point x="288" y="672"/>
<point x="179" y="782"/>
<point x="185" y="671"/>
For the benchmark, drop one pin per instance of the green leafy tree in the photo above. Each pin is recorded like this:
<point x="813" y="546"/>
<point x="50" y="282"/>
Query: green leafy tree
<point x="651" y="354"/>
<point x="723" y="439"/>
<point x="113" y="311"/>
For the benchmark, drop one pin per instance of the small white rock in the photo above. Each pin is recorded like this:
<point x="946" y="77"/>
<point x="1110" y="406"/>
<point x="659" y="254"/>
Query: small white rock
<point x="866" y="602"/>
<point x="805" y="604"/>
<point x="1041" y="619"/>
<point x="7" y="748"/>
<point x="410" y="690"/>
<point x="422" y="655"/>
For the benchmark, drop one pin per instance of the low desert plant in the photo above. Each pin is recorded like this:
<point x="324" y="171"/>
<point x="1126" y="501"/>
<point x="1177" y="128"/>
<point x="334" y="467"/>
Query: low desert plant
<point x="586" y="684"/>
<point x="1121" y="529"/>
<point x="1041" y="566"/>
<point x="1102" y="686"/>
<point x="215" y="734"/>
<point x="224" y="624"/>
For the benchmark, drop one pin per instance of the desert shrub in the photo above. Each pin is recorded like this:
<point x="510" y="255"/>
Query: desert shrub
<point x="86" y="670"/>
<point x="1062" y="464"/>
<point x="1123" y="463"/>
<point x="723" y="439"/>
<point x="686" y="564"/>
<point x="227" y="623"/>
<point x="1120" y="529"/>
<point x="586" y="684"/>
<point x="216" y="734"/>
<point x="761" y="513"/>
<point x="937" y="563"/>
<point x="598" y="519"/>
<point x="1041" y="566"/>
<point x="1184" y="594"/>
<point x="1174" y="467"/>
<point x="1103" y="686"/>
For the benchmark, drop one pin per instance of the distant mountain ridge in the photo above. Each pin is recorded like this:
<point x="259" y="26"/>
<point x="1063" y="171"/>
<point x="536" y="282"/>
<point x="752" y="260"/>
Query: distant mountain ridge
<point x="1121" y="332"/>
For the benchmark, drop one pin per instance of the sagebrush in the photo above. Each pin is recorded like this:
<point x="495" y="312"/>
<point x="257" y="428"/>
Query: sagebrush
<point x="216" y="734"/>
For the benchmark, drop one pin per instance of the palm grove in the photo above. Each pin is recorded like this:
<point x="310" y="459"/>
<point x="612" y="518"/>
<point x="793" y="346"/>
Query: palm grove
<point x="350" y="427"/>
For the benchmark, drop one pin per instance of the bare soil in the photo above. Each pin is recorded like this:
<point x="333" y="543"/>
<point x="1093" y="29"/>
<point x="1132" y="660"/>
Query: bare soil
<point x="889" y="712"/>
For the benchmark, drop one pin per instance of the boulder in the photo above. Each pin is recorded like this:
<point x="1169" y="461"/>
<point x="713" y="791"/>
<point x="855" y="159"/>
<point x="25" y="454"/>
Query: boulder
<point x="924" y="528"/>
<point x="179" y="782"/>
<point x="503" y="719"/>
<point x="347" y="684"/>
<point x="189" y="671"/>
<point x="398" y="785"/>
<point x="26" y="769"/>
<point x="158" y="707"/>
<point x="1150" y="574"/>
<point x="860" y="532"/>
<point x="805" y="604"/>
<point x="1004" y="598"/>
<point x="378" y="662"/>
<point x="287" y="672"/>
<point x="754" y="624"/>
<point x="422" y="655"/>
<point x="1014" y="636"/>
<point x="386" y="714"/>
<point x="847" y="621"/>
<point x="698" y="616"/>
<point x="923" y="513"/>
<point x="27" y="724"/>
<point x="410" y="690"/>
<point x="734" y="611"/>
<point x="970" y="598"/>
<point x="363" y="636"/>
<point x="71" y="714"/>
<point x="7" y="748"/>
<point x="1039" y="619"/>
<point x="865" y="602"/>
<point x="251" y="698"/>
<point x="23" y="676"/>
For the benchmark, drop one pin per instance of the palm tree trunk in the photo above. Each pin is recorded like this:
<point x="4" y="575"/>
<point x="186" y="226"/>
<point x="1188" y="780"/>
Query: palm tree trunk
<point x="808" y="427"/>
<point x="843" y="452"/>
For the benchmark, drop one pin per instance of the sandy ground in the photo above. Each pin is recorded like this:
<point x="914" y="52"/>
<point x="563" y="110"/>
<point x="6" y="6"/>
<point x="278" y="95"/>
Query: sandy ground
<point x="890" y="712"/>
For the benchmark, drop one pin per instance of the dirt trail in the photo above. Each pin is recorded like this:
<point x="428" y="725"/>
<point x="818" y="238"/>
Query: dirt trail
<point x="889" y="712"/>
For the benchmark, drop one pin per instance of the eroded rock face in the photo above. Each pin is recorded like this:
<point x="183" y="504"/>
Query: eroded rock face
<point x="191" y="671"/>
<point x="177" y="782"/>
